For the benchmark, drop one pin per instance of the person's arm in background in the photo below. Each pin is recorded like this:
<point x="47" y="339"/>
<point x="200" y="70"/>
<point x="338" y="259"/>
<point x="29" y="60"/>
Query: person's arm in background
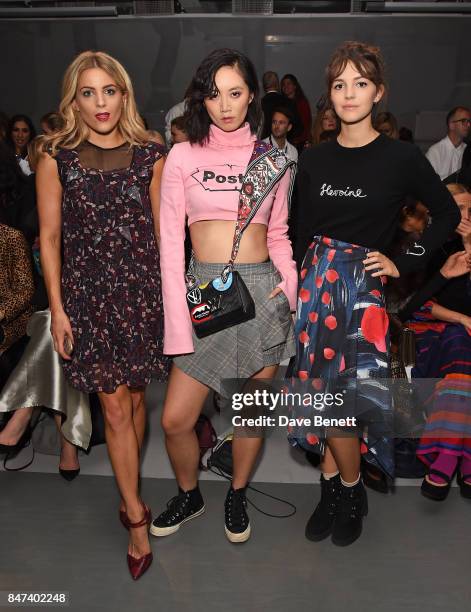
<point x="456" y="265"/>
<point x="440" y="313"/>
<point x="49" y="193"/>
<point x="425" y="185"/>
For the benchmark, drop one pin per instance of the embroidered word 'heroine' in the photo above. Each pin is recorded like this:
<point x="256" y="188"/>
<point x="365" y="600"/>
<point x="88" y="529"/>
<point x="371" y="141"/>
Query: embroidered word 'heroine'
<point x="347" y="192"/>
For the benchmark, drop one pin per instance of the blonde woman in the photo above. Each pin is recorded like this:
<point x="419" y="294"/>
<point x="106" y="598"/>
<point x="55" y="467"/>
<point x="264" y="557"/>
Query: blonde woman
<point x="98" y="193"/>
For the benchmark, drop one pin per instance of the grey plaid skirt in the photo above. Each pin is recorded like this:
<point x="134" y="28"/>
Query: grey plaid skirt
<point x="242" y="350"/>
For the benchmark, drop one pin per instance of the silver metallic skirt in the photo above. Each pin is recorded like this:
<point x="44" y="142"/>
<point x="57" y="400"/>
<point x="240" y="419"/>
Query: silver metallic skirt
<point x="38" y="380"/>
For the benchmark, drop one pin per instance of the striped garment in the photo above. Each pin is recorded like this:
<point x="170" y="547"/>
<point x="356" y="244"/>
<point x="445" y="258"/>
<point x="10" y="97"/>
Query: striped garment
<point x="444" y="351"/>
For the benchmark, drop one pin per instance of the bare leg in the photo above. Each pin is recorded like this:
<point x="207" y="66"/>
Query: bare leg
<point x="328" y="464"/>
<point x="245" y="450"/>
<point x="69" y="456"/>
<point x="16" y="426"/>
<point x="139" y="414"/>
<point x="139" y="420"/>
<point x="346" y="452"/>
<point x="123" y="450"/>
<point x="184" y="401"/>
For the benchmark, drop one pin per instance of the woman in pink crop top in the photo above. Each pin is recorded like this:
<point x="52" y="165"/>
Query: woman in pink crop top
<point x="201" y="182"/>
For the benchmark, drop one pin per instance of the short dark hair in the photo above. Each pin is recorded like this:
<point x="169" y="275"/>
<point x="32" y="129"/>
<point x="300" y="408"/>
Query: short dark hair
<point x="203" y="85"/>
<point x="453" y="112"/>
<point x="284" y="111"/>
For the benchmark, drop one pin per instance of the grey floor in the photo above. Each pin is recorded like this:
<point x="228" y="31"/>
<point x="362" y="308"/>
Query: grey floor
<point x="414" y="553"/>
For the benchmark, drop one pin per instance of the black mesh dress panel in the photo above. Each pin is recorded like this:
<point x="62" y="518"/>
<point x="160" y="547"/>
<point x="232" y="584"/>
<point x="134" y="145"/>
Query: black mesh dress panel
<point x="95" y="157"/>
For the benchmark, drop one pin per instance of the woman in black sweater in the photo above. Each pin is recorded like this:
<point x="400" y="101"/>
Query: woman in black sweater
<point x="350" y="193"/>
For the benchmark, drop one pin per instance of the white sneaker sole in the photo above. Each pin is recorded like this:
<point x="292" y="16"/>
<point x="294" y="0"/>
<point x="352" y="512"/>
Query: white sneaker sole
<point x="165" y="531"/>
<point x="237" y="538"/>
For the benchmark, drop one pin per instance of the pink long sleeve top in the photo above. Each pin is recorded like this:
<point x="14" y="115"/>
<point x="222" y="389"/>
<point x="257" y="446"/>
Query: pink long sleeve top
<point x="202" y="183"/>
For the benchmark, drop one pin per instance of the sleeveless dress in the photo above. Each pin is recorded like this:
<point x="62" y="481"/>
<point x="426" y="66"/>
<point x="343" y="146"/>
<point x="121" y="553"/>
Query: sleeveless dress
<point x="110" y="269"/>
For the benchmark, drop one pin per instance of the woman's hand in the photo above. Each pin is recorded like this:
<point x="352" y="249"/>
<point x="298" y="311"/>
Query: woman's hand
<point x="456" y="265"/>
<point x="466" y="321"/>
<point x="275" y="291"/>
<point x="62" y="334"/>
<point x="464" y="230"/>
<point x="381" y="265"/>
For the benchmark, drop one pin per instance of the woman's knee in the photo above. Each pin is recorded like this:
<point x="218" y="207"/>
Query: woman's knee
<point x="175" y="423"/>
<point x="117" y="415"/>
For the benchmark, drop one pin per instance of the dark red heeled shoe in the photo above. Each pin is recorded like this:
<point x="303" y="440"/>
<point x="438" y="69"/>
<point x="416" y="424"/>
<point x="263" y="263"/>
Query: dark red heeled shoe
<point x="137" y="567"/>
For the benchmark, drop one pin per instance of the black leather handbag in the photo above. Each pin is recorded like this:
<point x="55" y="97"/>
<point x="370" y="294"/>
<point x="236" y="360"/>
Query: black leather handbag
<point x="218" y="304"/>
<point x="226" y="301"/>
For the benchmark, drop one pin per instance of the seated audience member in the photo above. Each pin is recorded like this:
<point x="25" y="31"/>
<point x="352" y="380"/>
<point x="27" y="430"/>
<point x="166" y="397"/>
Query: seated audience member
<point x="446" y="155"/>
<point x="38" y="381"/>
<point x="18" y="209"/>
<point x="178" y="130"/>
<point x="20" y="132"/>
<point x="440" y="315"/>
<point x="281" y="126"/>
<point x="386" y="124"/>
<point x="325" y="121"/>
<point x="16" y="292"/>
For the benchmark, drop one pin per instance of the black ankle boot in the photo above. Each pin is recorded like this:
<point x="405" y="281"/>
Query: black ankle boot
<point x="319" y="526"/>
<point x="348" y="522"/>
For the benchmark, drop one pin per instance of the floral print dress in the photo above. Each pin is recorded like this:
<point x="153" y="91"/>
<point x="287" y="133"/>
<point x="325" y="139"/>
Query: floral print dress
<point x="110" y="272"/>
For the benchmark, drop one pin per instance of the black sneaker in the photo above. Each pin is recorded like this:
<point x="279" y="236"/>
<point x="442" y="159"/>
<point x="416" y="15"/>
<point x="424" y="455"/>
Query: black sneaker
<point x="352" y="508"/>
<point x="237" y="524"/>
<point x="183" y="507"/>
<point x="319" y="526"/>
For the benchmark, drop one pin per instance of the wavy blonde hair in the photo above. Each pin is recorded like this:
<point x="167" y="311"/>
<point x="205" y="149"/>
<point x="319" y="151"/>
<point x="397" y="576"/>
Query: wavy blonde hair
<point x="74" y="131"/>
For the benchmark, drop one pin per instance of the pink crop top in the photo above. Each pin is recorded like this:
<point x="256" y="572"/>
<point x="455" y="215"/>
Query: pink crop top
<point x="202" y="183"/>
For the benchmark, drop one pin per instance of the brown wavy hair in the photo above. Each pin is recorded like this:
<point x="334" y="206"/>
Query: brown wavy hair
<point x="73" y="130"/>
<point x="367" y="59"/>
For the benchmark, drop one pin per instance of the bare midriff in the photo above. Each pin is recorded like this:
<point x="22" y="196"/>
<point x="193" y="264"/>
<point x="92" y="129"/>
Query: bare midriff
<point x="212" y="242"/>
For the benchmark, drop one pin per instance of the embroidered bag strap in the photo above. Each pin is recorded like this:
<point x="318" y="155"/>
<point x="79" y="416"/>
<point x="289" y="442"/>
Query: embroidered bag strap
<point x="266" y="167"/>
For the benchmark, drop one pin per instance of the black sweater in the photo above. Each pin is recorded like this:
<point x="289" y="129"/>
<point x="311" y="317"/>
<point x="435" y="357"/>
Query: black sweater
<point x="355" y="195"/>
<point x="454" y="293"/>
